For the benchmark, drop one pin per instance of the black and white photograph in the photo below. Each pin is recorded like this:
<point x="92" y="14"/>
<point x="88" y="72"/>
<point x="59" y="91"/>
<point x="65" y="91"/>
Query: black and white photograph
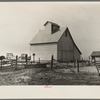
<point x="49" y="43"/>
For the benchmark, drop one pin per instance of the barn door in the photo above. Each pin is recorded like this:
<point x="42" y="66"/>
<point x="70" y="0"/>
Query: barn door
<point x="64" y="56"/>
<point x="60" y="55"/>
<point x="67" y="55"/>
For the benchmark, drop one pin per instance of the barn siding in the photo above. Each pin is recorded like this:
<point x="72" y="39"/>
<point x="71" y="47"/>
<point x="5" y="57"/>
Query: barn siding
<point x="44" y="51"/>
<point x="76" y="54"/>
<point x="66" y="50"/>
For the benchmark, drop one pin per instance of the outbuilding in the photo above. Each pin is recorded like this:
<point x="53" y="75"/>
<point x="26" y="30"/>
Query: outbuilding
<point x="95" y="56"/>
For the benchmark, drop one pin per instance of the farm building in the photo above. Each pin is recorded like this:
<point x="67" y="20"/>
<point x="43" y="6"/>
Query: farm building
<point x="95" y="56"/>
<point x="54" y="40"/>
<point x="9" y="55"/>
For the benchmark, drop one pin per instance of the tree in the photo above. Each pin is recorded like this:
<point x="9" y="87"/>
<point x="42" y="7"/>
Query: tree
<point x="2" y="57"/>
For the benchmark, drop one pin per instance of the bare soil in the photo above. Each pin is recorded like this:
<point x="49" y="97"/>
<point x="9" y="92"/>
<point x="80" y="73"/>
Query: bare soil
<point x="44" y="76"/>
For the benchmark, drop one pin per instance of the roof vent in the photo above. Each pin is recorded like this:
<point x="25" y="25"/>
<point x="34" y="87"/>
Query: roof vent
<point x="54" y="27"/>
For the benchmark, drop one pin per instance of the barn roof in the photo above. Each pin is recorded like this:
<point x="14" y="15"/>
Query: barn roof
<point x="95" y="54"/>
<point x="43" y="37"/>
<point x="51" y="23"/>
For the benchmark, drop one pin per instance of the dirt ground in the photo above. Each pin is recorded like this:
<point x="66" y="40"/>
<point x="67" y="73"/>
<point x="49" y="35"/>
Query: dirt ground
<point x="44" y="76"/>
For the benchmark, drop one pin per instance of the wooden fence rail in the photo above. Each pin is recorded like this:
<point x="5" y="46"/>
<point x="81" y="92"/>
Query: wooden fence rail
<point x="15" y="63"/>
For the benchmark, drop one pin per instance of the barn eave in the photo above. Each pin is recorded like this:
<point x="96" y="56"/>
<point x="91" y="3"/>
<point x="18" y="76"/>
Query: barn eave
<point x="43" y="43"/>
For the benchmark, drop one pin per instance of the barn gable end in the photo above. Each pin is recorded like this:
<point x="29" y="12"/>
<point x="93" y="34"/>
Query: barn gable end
<point x="67" y="49"/>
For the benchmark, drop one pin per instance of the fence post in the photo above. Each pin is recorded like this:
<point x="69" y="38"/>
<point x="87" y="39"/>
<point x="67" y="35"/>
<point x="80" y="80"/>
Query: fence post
<point x="12" y="63"/>
<point x="74" y="63"/>
<point x="39" y="60"/>
<point x="82" y="62"/>
<point x="77" y="66"/>
<point x="16" y="62"/>
<point x="26" y="60"/>
<point x="52" y="62"/>
<point x="67" y="63"/>
<point x="94" y="61"/>
<point x="1" y="64"/>
<point x="89" y="60"/>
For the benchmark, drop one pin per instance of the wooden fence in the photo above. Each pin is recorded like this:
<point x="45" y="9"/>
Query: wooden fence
<point x="76" y="63"/>
<point x="19" y="64"/>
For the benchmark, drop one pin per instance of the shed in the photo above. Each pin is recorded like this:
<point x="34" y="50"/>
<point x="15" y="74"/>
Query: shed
<point x="54" y="40"/>
<point x="95" y="55"/>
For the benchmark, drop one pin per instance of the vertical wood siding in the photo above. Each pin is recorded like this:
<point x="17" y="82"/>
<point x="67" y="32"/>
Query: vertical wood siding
<point x="77" y="55"/>
<point x="66" y="50"/>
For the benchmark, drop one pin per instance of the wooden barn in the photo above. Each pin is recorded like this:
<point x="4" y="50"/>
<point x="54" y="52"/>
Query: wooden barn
<point x="54" y="40"/>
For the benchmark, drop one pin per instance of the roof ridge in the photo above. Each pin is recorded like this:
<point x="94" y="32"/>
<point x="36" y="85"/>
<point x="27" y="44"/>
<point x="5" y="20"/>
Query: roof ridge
<point x="51" y="23"/>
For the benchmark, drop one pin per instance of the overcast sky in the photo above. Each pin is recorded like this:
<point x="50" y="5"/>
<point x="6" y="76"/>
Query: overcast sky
<point x="20" y="21"/>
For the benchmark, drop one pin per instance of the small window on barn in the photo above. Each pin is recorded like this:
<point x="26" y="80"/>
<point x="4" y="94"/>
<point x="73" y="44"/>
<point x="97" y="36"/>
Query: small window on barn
<point x="66" y="33"/>
<point x="54" y="28"/>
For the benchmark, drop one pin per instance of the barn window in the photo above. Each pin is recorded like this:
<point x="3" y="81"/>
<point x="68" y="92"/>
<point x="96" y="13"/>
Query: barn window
<point x="66" y="33"/>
